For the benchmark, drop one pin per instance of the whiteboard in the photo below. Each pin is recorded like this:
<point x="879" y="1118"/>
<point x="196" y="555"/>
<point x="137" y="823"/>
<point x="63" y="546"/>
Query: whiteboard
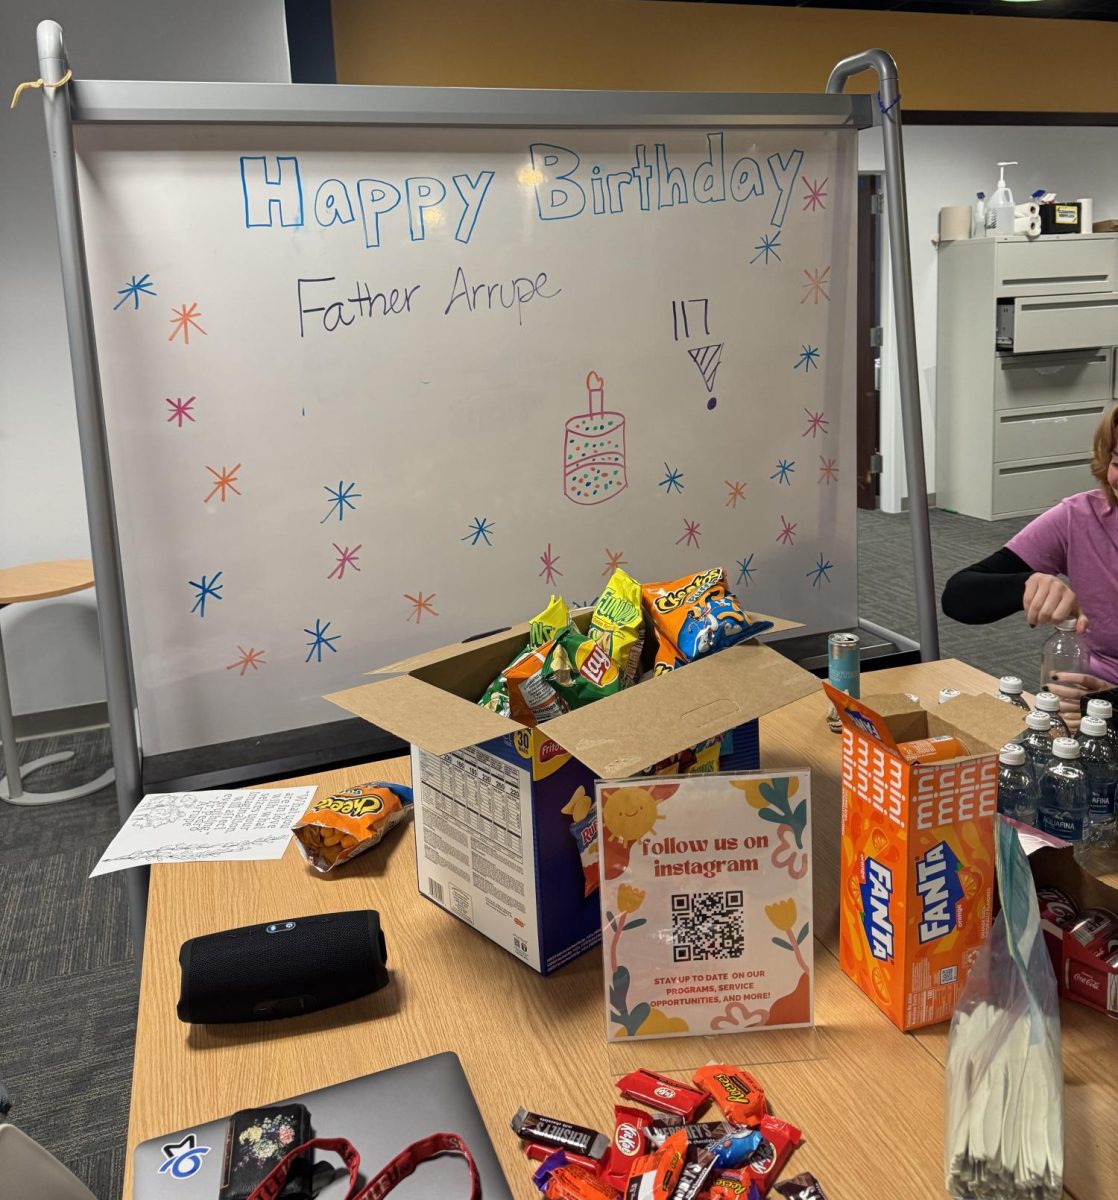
<point x="372" y="390"/>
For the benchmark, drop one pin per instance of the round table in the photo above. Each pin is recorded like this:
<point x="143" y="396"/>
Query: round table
<point x="37" y="581"/>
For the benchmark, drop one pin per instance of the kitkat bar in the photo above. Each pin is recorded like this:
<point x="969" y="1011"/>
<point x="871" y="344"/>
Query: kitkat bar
<point x="629" y="1143"/>
<point x="661" y="1092"/>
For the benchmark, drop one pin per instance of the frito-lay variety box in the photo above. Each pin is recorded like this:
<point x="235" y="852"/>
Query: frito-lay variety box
<point x="917" y="853"/>
<point x="504" y="832"/>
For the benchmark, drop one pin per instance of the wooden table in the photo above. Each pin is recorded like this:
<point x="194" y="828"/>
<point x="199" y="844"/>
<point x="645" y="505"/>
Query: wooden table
<point x="868" y="1098"/>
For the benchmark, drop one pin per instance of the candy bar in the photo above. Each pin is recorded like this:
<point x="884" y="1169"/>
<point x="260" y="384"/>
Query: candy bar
<point x="629" y="1125"/>
<point x="740" y="1097"/>
<point x="660" y="1092"/>
<point x="560" y="1179"/>
<point x="694" y="1178"/>
<point x="801" y="1187"/>
<point x="538" y="1152"/>
<point x="779" y="1139"/>
<point x="699" y="1134"/>
<point x="736" y="1148"/>
<point x="731" y="1186"/>
<point x="655" y="1176"/>
<point x="548" y="1131"/>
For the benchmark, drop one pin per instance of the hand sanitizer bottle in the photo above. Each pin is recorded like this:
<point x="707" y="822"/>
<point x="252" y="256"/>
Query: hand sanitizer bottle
<point x="1001" y="211"/>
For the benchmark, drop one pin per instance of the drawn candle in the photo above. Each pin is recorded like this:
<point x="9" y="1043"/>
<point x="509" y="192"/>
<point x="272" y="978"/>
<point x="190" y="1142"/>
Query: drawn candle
<point x="594" y="450"/>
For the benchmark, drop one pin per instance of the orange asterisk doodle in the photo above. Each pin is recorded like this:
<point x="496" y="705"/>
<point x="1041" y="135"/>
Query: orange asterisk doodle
<point x="226" y="480"/>
<point x="420" y="604"/>
<point x="249" y="658"/>
<point x="184" y="320"/>
<point x="614" y="561"/>
<point x="737" y="492"/>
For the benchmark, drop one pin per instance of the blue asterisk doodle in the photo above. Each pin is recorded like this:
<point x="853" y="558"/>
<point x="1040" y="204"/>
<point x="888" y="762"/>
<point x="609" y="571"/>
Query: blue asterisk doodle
<point x="319" y="639"/>
<point x="340" y="499"/>
<point x="671" y="480"/>
<point x="480" y="527"/>
<point x="784" y="468"/>
<point x="820" y="572"/>
<point x="207" y="588"/>
<point x="809" y="357"/>
<point x="766" y="246"/>
<point x="132" y="291"/>
<point x="746" y="570"/>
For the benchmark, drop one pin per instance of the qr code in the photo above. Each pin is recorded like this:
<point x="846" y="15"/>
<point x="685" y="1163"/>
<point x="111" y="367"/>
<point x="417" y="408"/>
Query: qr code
<point x="949" y="974"/>
<point x="708" y="925"/>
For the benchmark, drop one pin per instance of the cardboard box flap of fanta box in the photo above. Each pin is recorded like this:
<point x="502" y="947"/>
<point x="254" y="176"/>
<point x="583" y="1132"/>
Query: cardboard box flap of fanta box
<point x="432" y="702"/>
<point x="917" y="850"/>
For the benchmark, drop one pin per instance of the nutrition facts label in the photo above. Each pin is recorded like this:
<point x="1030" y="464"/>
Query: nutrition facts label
<point x="478" y="790"/>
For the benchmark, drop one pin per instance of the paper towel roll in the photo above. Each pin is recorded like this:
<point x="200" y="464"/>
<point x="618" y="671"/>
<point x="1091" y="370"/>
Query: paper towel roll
<point x="1029" y="226"/>
<point x="1086" y="214"/>
<point x="1029" y="209"/>
<point x="955" y="222"/>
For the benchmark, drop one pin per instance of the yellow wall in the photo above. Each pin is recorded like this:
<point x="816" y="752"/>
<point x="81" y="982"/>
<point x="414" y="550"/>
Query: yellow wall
<point x="946" y="62"/>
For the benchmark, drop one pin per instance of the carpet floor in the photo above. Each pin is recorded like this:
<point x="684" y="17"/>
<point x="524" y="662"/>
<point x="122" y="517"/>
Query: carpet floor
<point x="67" y="978"/>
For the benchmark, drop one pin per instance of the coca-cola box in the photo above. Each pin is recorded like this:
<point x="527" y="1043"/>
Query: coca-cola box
<point x="1082" y="943"/>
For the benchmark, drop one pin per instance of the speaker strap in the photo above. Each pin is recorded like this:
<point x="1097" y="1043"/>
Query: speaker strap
<point x="385" y="1180"/>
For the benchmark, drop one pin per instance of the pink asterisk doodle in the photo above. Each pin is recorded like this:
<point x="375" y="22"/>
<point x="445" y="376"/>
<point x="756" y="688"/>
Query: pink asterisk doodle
<point x="815" y="423"/>
<point x="180" y="409"/>
<point x="550" y="570"/>
<point x="815" y="194"/>
<point x="787" y="533"/>
<point x="346" y="558"/>
<point x="690" y="533"/>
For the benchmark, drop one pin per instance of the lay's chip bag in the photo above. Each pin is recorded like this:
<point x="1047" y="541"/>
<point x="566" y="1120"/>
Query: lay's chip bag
<point x="542" y="628"/>
<point x="695" y="616"/>
<point x="567" y="672"/>
<point x="617" y="624"/>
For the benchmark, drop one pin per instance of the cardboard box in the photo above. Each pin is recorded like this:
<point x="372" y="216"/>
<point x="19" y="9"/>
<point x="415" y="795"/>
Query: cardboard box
<point x="1081" y="975"/>
<point x="493" y="844"/>
<point x="917" y="854"/>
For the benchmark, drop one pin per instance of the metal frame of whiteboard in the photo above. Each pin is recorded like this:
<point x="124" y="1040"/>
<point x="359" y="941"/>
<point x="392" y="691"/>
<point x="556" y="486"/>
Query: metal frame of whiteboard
<point x="142" y="102"/>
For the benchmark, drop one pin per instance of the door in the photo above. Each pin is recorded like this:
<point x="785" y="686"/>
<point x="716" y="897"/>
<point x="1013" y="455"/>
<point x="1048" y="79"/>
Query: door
<point x="869" y="364"/>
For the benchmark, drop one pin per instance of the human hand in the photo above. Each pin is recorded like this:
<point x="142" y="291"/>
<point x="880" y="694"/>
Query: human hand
<point x="1048" y="601"/>
<point x="1071" y="687"/>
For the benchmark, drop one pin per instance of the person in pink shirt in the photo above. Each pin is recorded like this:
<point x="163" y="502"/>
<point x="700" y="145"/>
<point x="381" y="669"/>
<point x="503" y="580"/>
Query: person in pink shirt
<point x="1064" y="564"/>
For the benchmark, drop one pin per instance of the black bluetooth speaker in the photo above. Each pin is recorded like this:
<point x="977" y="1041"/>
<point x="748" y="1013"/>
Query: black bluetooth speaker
<point x="281" y="969"/>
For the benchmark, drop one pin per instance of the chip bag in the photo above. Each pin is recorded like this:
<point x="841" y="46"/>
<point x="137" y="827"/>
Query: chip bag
<point x="584" y="829"/>
<point x="339" y="827"/>
<point x="695" y="616"/>
<point x="567" y="672"/>
<point x="617" y="624"/>
<point x="542" y="628"/>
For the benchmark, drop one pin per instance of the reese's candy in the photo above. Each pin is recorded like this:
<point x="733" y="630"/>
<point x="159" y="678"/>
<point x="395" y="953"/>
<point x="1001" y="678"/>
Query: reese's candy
<point x="560" y="1179"/>
<point x="779" y="1139"/>
<point x="629" y="1126"/>
<point x="801" y="1187"/>
<point x="617" y="624"/>
<point x="338" y="828"/>
<point x="659" y="1091"/>
<point x="566" y="672"/>
<point x="740" y="1097"/>
<point x="654" y="1176"/>
<point x="562" y="1135"/>
<point x="731" y="1186"/>
<point x="695" y="616"/>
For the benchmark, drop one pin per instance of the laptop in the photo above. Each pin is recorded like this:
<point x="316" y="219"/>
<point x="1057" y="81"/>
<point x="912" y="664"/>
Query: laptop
<point x="379" y="1114"/>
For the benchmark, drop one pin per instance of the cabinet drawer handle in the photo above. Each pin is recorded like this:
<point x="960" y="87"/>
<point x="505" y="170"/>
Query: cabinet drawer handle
<point x="1054" y="414"/>
<point x="1027" y="279"/>
<point x="1057" y="305"/>
<point x="1030" y="468"/>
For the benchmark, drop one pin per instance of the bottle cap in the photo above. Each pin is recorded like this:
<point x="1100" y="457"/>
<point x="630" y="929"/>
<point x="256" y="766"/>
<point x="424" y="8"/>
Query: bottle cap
<point x="1011" y="684"/>
<point x="1048" y="702"/>
<point x="1012" y="755"/>
<point x="1065" y="748"/>
<point x="1093" y="726"/>
<point x="1069" y="625"/>
<point x="946" y="694"/>
<point x="1100" y="708"/>
<point x="1039" y="720"/>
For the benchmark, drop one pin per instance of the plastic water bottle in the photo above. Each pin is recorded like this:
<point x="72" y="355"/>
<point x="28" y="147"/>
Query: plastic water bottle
<point x="1063" y="794"/>
<point x="1017" y="794"/>
<point x="1036" y="741"/>
<point x="948" y="693"/>
<point x="1097" y="759"/>
<point x="1047" y="702"/>
<point x="1105" y="710"/>
<point x="1063" y="653"/>
<point x="1010" y="688"/>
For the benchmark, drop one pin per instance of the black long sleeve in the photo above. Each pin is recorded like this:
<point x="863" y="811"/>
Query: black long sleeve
<point x="987" y="591"/>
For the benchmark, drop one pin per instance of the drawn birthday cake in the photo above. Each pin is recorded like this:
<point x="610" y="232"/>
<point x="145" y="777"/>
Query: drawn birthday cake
<point x="594" y="450"/>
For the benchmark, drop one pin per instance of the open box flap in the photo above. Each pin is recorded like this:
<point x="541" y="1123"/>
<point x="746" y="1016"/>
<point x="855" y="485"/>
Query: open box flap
<point x="660" y="717"/>
<point x="983" y="723"/>
<point x="426" y="716"/>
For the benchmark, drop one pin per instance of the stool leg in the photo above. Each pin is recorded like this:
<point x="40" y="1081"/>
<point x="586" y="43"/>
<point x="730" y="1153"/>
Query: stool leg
<point x="7" y="728"/>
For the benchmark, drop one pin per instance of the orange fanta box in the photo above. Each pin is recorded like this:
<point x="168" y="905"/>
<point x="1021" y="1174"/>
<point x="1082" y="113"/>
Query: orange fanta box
<point x="917" y="854"/>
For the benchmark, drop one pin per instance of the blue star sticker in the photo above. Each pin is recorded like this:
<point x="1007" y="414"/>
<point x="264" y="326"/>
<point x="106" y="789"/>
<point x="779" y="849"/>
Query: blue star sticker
<point x="784" y="468"/>
<point x="481" y="527"/>
<point x="340" y="500"/>
<point x="671" y="480"/>
<point x="766" y="246"/>
<point x="819" y="571"/>
<point x="319" y="639"/>
<point x="809" y="357"/>
<point x="133" y="290"/>
<point x="206" y="588"/>
<point x="746" y="570"/>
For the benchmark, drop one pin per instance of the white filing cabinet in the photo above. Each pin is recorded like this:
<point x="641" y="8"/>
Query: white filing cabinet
<point x="1024" y="369"/>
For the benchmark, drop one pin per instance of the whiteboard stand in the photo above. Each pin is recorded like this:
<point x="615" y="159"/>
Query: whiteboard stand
<point x="154" y="103"/>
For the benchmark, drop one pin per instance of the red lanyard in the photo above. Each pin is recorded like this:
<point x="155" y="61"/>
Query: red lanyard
<point x="385" y="1180"/>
